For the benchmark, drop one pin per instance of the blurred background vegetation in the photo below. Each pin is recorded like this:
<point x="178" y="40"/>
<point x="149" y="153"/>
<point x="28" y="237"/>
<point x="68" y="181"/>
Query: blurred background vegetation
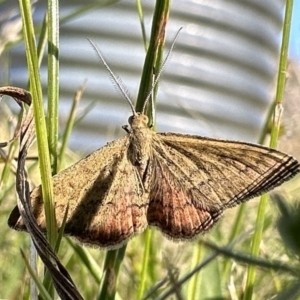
<point x="220" y="81"/>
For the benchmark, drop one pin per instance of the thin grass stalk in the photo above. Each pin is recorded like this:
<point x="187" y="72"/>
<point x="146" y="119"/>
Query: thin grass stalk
<point x="193" y="286"/>
<point x="141" y="17"/>
<point x="113" y="262"/>
<point x="236" y="228"/>
<point x="43" y="292"/>
<point x="53" y="80"/>
<point x="7" y="169"/>
<point x="42" y="39"/>
<point x="86" y="8"/>
<point x="33" y="261"/>
<point x="52" y="16"/>
<point x="251" y="270"/>
<point x="108" y="282"/>
<point x="70" y="124"/>
<point x="87" y="259"/>
<point x="143" y="272"/>
<point x="40" y="123"/>
<point x="235" y="231"/>
<point x="153" y="61"/>
<point x="39" y="117"/>
<point x="156" y="40"/>
<point x="8" y="156"/>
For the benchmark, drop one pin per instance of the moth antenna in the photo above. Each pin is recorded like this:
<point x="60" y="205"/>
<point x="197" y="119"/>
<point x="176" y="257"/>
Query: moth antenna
<point x="161" y="70"/>
<point x="115" y="78"/>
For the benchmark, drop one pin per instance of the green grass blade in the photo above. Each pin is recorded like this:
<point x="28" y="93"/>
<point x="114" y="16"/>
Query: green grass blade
<point x="53" y="80"/>
<point x="111" y="268"/>
<point x="153" y="62"/>
<point x="251" y="270"/>
<point x="34" y="276"/>
<point x="39" y="117"/>
<point x="143" y="273"/>
<point x="42" y="39"/>
<point x="87" y="260"/>
<point x="53" y="94"/>
<point x="141" y="17"/>
<point x="86" y="8"/>
<point x="40" y="123"/>
<point x="70" y="124"/>
<point x="153" y="57"/>
<point x="193" y="287"/>
<point x="156" y="45"/>
<point x="4" y="178"/>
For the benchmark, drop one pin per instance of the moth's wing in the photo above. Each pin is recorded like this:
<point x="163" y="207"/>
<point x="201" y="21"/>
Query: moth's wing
<point x="106" y="202"/>
<point x="194" y="179"/>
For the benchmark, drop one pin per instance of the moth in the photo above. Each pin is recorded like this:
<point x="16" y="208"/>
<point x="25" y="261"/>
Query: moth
<point x="180" y="184"/>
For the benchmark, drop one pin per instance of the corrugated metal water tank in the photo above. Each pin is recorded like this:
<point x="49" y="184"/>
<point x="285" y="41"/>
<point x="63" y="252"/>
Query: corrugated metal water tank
<point x="218" y="81"/>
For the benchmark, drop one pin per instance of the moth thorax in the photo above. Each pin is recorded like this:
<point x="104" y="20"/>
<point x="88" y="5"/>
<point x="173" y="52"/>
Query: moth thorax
<point x="140" y="146"/>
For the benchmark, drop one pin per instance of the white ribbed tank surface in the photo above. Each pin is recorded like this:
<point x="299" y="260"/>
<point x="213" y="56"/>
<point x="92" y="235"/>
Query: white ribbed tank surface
<point x="218" y="82"/>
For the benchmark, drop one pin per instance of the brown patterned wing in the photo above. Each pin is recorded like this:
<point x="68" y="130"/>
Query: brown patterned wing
<point x="173" y="208"/>
<point x="195" y="179"/>
<point x="106" y="201"/>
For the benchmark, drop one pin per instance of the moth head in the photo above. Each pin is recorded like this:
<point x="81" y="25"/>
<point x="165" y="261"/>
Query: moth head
<point x="138" y="120"/>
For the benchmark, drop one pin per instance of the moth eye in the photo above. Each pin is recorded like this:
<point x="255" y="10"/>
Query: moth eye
<point x="130" y="119"/>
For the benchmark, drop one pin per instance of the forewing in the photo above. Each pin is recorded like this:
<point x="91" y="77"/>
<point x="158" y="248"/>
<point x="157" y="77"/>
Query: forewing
<point x="195" y="179"/>
<point x="103" y="191"/>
